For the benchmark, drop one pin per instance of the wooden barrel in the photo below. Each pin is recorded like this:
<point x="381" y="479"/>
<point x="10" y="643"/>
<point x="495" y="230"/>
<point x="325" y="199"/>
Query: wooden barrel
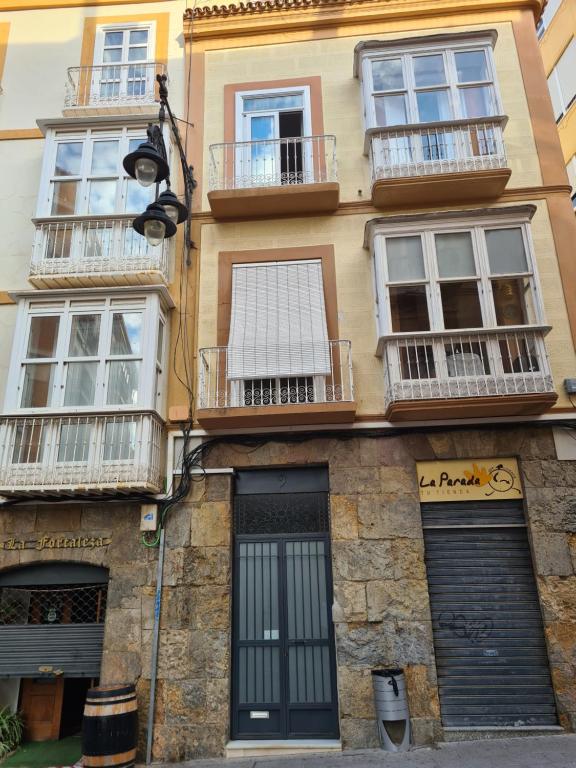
<point x="110" y="727"/>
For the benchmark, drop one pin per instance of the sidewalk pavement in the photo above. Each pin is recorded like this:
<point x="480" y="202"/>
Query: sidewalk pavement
<point x="558" y="751"/>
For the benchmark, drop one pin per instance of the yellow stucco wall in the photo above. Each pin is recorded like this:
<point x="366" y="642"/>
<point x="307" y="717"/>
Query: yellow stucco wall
<point x="354" y="281"/>
<point x="342" y="99"/>
<point x="561" y="30"/>
<point x="42" y="44"/>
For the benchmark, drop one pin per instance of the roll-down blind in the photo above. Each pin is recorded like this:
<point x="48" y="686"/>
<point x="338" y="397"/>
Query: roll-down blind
<point x="278" y="321"/>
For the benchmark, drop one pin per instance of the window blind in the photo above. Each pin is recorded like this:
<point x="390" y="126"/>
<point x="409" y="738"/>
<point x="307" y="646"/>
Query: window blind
<point x="566" y="68"/>
<point x="278" y="321"/>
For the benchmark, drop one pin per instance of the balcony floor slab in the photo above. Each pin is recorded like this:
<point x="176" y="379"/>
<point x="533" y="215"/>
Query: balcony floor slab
<point x="276" y="416"/>
<point x="441" y="189"/>
<point x="273" y="201"/>
<point x="529" y="404"/>
<point x="98" y="279"/>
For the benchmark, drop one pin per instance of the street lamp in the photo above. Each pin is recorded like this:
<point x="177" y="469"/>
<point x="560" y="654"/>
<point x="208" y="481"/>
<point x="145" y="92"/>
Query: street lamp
<point x="148" y="164"/>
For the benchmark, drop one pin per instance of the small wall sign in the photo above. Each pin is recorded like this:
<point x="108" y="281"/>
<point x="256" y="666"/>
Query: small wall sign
<point x="56" y="542"/>
<point x="469" y="480"/>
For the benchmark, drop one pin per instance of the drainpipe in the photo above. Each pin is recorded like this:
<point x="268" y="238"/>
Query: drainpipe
<point x="155" y="639"/>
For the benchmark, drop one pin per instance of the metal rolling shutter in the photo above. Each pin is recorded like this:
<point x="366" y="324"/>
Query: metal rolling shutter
<point x="75" y="649"/>
<point x="488" y="634"/>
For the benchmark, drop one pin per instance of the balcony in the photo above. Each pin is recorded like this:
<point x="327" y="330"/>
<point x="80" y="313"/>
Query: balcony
<point x="463" y="374"/>
<point x="81" y="455"/>
<point x="225" y="402"/>
<point x="112" y="89"/>
<point x="438" y="163"/>
<point x="280" y="176"/>
<point x="87" y="253"/>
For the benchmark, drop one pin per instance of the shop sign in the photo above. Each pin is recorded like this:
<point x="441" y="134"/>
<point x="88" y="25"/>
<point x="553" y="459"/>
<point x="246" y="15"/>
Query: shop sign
<point x="469" y="480"/>
<point x="56" y="542"/>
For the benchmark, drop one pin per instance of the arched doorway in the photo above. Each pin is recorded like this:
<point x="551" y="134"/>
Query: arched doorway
<point x="51" y="634"/>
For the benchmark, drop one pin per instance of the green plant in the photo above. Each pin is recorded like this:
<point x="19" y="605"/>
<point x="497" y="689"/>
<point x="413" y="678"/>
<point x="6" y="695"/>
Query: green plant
<point x="11" y="730"/>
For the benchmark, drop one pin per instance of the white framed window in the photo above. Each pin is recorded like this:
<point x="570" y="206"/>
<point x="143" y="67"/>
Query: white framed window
<point x="442" y="285"/>
<point x="278" y="350"/>
<point x="272" y="122"/>
<point x="88" y="353"/>
<point x="562" y="81"/>
<point x="428" y="82"/>
<point x="83" y="174"/>
<point x="571" y="171"/>
<point x="547" y="15"/>
<point x="455" y="276"/>
<point x="122" y="57"/>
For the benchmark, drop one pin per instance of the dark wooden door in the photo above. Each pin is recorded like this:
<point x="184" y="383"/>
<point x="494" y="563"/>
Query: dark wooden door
<point x="41" y="705"/>
<point x="284" y="680"/>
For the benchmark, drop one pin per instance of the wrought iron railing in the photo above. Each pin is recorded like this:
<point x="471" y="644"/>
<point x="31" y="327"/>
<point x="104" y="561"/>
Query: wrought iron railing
<point x="110" y="85"/>
<point x="272" y="163"/>
<point x="40" y="454"/>
<point x="90" y="246"/>
<point x="456" y="364"/>
<point x="229" y="378"/>
<point x="434" y="148"/>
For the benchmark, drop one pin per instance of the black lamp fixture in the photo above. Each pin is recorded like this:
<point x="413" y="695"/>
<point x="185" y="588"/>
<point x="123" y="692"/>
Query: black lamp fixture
<point x="149" y="165"/>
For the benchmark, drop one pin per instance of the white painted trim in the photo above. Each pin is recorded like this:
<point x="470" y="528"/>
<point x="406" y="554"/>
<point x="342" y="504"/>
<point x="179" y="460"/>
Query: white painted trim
<point x="447" y="50"/>
<point x="239" y="111"/>
<point x="101" y="30"/>
<point x="66" y="307"/>
<point x="432" y="280"/>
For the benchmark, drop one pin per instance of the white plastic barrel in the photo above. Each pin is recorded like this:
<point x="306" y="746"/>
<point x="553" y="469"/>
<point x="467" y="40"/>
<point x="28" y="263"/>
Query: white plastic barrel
<point x="392" y="711"/>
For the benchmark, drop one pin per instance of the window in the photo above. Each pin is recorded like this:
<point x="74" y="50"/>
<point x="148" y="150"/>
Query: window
<point x="571" y="170"/>
<point x="458" y="279"/>
<point x="83" y="175"/>
<point x="446" y="279"/>
<point x="562" y="83"/>
<point x="274" y="122"/>
<point x="122" y="58"/>
<point x="427" y="84"/>
<point x="278" y="350"/>
<point x="88" y="353"/>
<point x="547" y="15"/>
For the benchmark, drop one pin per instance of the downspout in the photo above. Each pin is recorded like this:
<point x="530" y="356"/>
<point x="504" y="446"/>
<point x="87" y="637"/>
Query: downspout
<point x="155" y="640"/>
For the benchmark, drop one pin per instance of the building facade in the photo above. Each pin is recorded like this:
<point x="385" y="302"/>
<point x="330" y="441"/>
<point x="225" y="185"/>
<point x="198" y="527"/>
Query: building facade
<point x="557" y="34"/>
<point x="359" y="379"/>
<point x="87" y="307"/>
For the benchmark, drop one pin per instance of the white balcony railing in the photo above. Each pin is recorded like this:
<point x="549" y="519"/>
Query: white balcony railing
<point x="273" y="163"/>
<point x="457" y="364"/>
<point x="84" y="454"/>
<point x="94" y="246"/>
<point x="435" y="148"/>
<point x="110" y="85"/>
<point x="218" y="390"/>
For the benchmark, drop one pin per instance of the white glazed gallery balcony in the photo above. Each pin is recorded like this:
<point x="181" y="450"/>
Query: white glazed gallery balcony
<point x="273" y="176"/>
<point x="438" y="162"/>
<point x="109" y="89"/>
<point x="82" y="455"/>
<point x="89" y="252"/>
<point x="502" y="371"/>
<point x="226" y="401"/>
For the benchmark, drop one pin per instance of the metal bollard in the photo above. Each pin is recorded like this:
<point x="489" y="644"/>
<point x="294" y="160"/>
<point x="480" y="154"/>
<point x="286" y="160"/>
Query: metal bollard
<point x="391" y="709"/>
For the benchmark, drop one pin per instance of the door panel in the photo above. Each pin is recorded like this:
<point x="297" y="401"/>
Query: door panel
<point x="284" y="655"/>
<point x="488" y="634"/>
<point x="42" y="708"/>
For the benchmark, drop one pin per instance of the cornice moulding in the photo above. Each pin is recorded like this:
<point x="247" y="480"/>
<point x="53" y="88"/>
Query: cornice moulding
<point x="238" y="18"/>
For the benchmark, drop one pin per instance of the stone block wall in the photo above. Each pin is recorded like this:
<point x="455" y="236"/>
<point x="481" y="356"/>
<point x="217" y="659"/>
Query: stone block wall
<point x="193" y="695"/>
<point x="381" y="606"/>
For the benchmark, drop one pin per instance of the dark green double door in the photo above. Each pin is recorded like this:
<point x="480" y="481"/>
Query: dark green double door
<point x="284" y="663"/>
